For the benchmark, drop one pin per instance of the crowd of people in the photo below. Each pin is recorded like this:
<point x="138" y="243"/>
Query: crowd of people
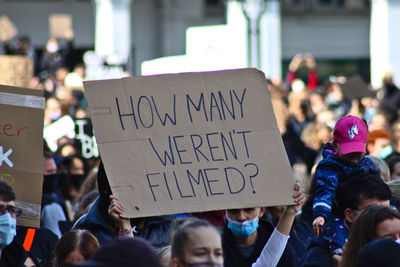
<point x="345" y="152"/>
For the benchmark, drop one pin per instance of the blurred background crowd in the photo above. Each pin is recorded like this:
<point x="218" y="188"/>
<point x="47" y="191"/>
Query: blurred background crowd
<point x="307" y="102"/>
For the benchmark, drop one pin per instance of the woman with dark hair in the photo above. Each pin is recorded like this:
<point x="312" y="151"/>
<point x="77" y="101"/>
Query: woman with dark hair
<point x="75" y="246"/>
<point x="375" y="222"/>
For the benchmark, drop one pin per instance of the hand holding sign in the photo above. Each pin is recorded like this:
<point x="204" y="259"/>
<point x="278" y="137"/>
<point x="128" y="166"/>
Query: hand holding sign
<point x="115" y="210"/>
<point x="190" y="142"/>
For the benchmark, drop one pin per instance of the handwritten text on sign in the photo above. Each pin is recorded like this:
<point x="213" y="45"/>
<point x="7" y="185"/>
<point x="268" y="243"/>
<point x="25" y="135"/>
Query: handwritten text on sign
<point x="21" y="140"/>
<point x="86" y="142"/>
<point x="189" y="140"/>
<point x="203" y="148"/>
<point x="9" y="130"/>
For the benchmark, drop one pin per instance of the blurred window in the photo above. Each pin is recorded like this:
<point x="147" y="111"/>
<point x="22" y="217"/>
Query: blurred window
<point x="214" y="7"/>
<point x="316" y="6"/>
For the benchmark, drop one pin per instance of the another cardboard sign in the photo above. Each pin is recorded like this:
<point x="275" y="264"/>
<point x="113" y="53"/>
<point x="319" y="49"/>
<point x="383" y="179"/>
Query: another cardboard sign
<point x="16" y="70"/>
<point x="7" y="29"/>
<point x="21" y="148"/>
<point x="356" y="88"/>
<point x="85" y="141"/>
<point x="60" y="25"/>
<point x="64" y="126"/>
<point x="190" y="142"/>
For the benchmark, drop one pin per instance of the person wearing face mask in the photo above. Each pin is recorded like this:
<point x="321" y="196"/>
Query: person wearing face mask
<point x="12" y="253"/>
<point x="40" y="242"/>
<point x="245" y="235"/>
<point x="249" y="239"/>
<point x="197" y="242"/>
<point x="52" y="210"/>
<point x="55" y="54"/>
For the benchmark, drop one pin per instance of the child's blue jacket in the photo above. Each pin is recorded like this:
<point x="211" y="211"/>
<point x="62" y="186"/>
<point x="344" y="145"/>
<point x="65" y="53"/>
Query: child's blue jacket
<point x="332" y="171"/>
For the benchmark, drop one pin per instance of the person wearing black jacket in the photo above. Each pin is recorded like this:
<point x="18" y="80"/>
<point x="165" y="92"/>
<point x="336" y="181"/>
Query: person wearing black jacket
<point x="242" y="249"/>
<point x="12" y="253"/>
<point x="101" y="222"/>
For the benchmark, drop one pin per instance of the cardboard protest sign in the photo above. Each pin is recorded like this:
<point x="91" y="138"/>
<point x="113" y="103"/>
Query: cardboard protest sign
<point x="16" y="70"/>
<point x="64" y="126"/>
<point x="21" y="148"/>
<point x="190" y="142"/>
<point x="60" y="24"/>
<point x="7" y="29"/>
<point x="85" y="141"/>
<point x="356" y="88"/>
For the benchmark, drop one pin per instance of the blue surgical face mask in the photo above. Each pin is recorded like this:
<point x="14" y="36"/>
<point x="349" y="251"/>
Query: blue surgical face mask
<point x="55" y="115"/>
<point x="8" y="229"/>
<point x="369" y="113"/>
<point x="385" y="151"/>
<point x="243" y="229"/>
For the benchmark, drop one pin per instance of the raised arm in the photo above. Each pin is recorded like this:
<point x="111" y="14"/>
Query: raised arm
<point x="276" y="244"/>
<point x="286" y="221"/>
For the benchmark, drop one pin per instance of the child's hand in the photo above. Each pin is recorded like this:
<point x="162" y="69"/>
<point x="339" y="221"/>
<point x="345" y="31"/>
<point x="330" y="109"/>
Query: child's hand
<point x="317" y="223"/>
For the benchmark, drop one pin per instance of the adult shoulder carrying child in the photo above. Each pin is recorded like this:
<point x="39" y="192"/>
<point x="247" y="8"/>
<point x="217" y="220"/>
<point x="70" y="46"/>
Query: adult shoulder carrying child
<point x="343" y="160"/>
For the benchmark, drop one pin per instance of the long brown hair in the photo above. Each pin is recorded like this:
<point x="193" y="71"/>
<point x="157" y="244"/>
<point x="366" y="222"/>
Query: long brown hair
<point x="363" y="231"/>
<point x="82" y="240"/>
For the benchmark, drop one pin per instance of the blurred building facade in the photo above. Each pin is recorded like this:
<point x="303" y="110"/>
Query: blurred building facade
<point x="336" y="32"/>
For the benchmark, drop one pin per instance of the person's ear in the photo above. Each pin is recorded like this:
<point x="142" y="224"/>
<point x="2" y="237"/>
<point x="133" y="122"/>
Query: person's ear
<point x="262" y="211"/>
<point x="175" y="262"/>
<point x="349" y="215"/>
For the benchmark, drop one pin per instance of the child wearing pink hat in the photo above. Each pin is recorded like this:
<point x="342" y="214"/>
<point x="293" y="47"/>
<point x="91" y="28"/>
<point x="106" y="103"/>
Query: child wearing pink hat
<point x="343" y="160"/>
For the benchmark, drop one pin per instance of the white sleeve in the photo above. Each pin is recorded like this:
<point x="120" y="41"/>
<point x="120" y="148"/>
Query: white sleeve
<point x="272" y="251"/>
